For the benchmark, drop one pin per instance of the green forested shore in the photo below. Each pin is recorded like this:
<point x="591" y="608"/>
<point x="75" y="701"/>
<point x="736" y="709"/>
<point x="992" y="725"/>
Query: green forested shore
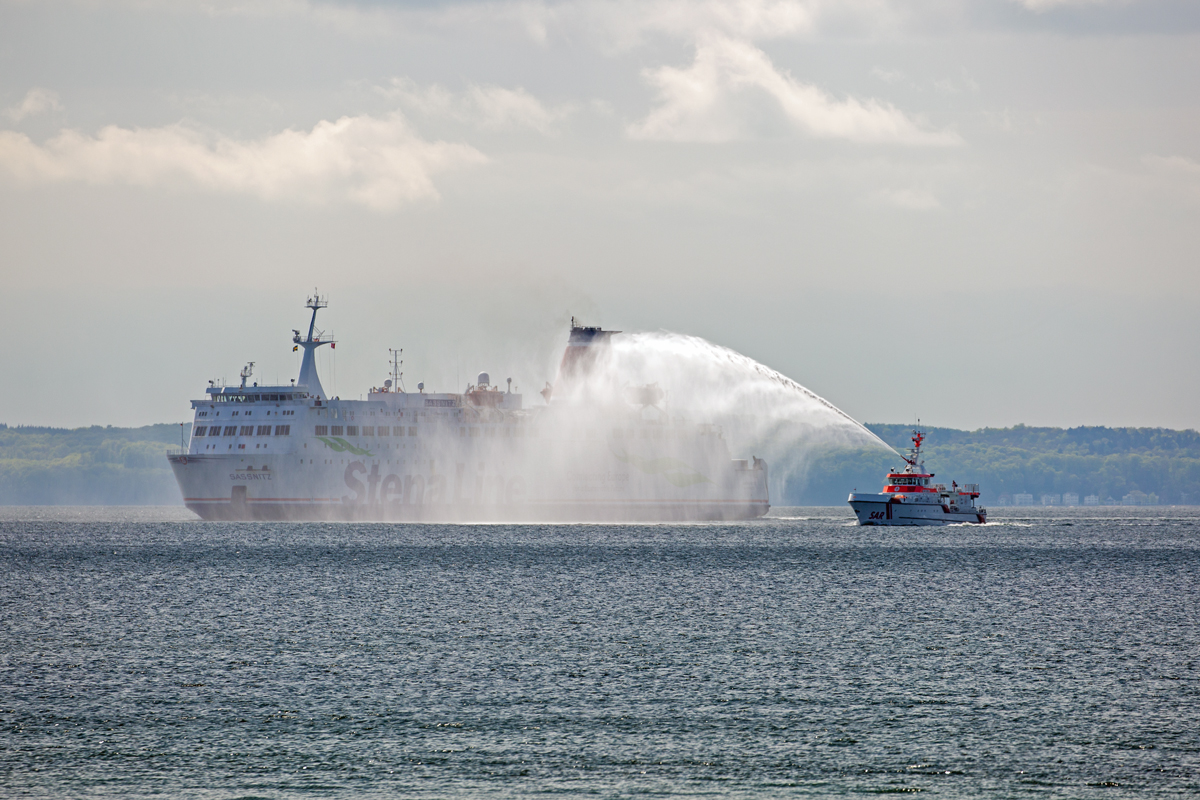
<point x="1142" y="464"/>
<point x="88" y="466"/>
<point x="118" y="466"/>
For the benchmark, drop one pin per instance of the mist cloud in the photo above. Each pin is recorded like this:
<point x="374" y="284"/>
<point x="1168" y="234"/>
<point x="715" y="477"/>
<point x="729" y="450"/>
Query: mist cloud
<point x="379" y="163"/>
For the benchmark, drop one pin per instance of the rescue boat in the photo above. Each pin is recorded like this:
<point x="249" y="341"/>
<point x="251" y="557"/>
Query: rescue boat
<point x="910" y="497"/>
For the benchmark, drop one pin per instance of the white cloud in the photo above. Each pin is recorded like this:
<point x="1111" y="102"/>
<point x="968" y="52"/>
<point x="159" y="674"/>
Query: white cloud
<point x="688" y="19"/>
<point x="492" y="107"/>
<point x="623" y="22"/>
<point x="37" y="101"/>
<point x="964" y="83"/>
<point x="889" y="75"/>
<point x="695" y="103"/>
<point x="512" y="108"/>
<point x="909" y="199"/>
<point x="1175" y="165"/>
<point x="1177" y="173"/>
<point x="1046" y="5"/>
<point x="376" y="162"/>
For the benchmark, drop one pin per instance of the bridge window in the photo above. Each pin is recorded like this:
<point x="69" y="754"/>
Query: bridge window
<point x="352" y="430"/>
<point x="368" y="430"/>
<point x="336" y="430"/>
<point x="263" y="430"/>
<point x="247" y="430"/>
<point x="199" y="431"/>
<point x="322" y="430"/>
<point x="231" y="430"/>
<point x="283" y="430"/>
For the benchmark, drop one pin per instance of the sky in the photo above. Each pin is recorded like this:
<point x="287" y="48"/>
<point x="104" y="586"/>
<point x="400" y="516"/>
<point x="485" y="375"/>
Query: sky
<point x="973" y="213"/>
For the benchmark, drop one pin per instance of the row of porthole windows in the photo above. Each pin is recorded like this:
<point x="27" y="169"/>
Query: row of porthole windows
<point x="288" y="413"/>
<point x="243" y="430"/>
<point x="363" y="430"/>
<point x="239" y="447"/>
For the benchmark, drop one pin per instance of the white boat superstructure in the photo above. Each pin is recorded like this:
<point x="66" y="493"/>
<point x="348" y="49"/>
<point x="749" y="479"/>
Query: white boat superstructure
<point x="911" y="498"/>
<point x="291" y="452"/>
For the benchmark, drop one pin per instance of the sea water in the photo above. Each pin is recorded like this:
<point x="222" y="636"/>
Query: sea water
<point x="1048" y="654"/>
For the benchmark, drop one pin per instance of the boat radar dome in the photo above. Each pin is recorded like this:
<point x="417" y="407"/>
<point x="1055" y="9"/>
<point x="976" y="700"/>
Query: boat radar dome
<point x="484" y="379"/>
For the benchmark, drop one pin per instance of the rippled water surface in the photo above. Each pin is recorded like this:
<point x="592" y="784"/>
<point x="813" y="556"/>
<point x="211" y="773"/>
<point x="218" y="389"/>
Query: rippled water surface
<point x="1046" y="654"/>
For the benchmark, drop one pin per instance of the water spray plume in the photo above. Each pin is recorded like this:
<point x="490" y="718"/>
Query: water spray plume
<point x="761" y="410"/>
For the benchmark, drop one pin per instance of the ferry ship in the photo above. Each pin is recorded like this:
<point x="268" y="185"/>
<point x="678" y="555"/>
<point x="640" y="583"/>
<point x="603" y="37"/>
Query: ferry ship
<point x="592" y="450"/>
<point x="911" y="498"/>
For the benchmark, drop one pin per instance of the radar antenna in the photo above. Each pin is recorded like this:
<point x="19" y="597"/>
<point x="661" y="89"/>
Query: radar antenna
<point x="397" y="375"/>
<point x="246" y="372"/>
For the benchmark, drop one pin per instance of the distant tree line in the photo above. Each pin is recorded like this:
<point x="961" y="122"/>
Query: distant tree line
<point x="1107" y="462"/>
<point x="88" y="466"/>
<point x="118" y="466"/>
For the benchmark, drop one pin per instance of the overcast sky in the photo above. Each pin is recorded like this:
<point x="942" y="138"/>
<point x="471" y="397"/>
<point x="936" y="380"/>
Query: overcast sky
<point x="979" y="213"/>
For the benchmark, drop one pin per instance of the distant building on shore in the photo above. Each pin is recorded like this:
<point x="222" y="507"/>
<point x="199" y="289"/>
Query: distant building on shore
<point x="1092" y="500"/>
<point x="1052" y="499"/>
<point x="1070" y="499"/>
<point x="1137" y="498"/>
<point x="1022" y="499"/>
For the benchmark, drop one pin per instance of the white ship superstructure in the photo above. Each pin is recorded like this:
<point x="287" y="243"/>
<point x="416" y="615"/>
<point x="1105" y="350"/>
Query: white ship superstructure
<point x="291" y="452"/>
<point x="911" y="498"/>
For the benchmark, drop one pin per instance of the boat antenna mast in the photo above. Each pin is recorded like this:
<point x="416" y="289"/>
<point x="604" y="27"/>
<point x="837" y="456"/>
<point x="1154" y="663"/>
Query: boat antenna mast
<point x="918" y="437"/>
<point x="308" y="366"/>
<point x="246" y="372"/>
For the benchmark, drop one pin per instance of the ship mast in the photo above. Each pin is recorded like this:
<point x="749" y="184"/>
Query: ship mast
<point x="917" y="438"/>
<point x="397" y="375"/>
<point x="308" y="366"/>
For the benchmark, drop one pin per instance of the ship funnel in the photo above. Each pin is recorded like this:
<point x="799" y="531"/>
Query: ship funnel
<point x="584" y="348"/>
